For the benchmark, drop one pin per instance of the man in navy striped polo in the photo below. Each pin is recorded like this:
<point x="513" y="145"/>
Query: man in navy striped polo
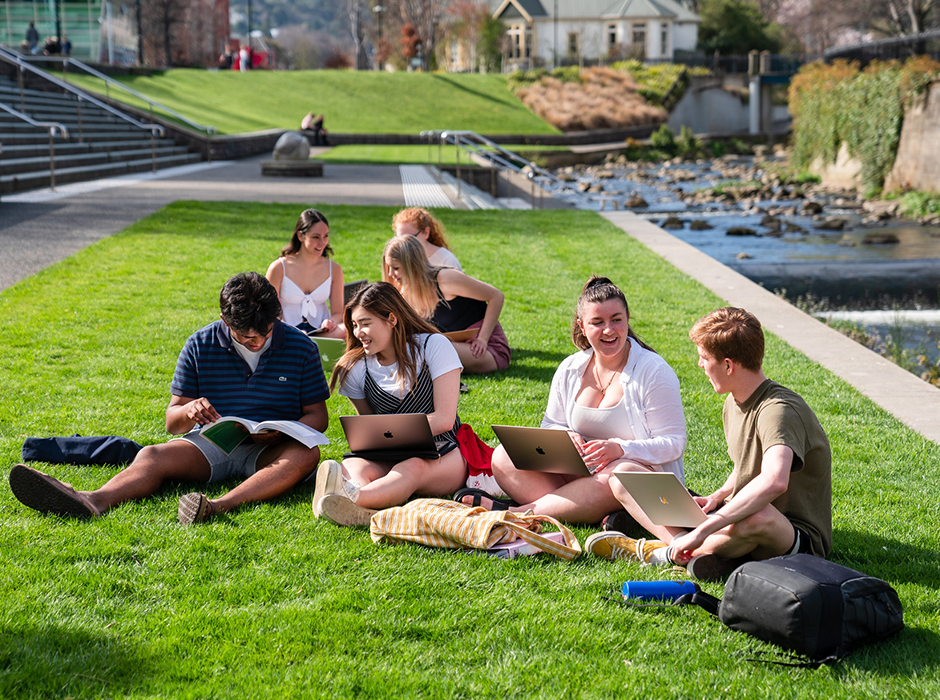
<point x="250" y="365"/>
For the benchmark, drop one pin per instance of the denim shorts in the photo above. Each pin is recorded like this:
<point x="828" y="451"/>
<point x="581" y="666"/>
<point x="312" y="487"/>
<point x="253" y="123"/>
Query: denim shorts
<point x="239" y="465"/>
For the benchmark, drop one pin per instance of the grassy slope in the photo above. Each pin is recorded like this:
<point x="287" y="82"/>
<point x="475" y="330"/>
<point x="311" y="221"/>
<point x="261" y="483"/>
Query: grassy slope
<point x="269" y="602"/>
<point x="353" y="102"/>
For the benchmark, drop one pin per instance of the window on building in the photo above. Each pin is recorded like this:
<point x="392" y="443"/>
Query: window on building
<point x="664" y="36"/>
<point x="515" y="41"/>
<point x="528" y="42"/>
<point x="639" y="35"/>
<point x="574" y="42"/>
<point x="611" y="36"/>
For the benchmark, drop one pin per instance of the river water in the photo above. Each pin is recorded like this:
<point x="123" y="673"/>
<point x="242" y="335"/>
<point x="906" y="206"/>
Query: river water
<point x="835" y="266"/>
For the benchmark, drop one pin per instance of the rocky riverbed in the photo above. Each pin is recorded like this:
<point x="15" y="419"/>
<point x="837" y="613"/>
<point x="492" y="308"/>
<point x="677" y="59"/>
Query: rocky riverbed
<point x="802" y="237"/>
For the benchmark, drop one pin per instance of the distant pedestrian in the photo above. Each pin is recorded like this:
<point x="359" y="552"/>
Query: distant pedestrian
<point x="32" y="39"/>
<point x="314" y="123"/>
<point x="66" y="46"/>
<point x="244" y="59"/>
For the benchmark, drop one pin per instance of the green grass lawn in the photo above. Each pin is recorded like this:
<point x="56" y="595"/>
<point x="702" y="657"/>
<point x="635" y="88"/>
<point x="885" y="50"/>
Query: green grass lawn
<point x="269" y="602"/>
<point x="353" y="102"/>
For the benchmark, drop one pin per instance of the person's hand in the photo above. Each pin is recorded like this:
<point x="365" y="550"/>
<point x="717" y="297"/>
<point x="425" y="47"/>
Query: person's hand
<point x="270" y="437"/>
<point x="329" y="325"/>
<point x="478" y="346"/>
<point x="201" y="411"/>
<point x="597" y="454"/>
<point x="709" y="503"/>
<point x="578" y="441"/>
<point x="684" y="546"/>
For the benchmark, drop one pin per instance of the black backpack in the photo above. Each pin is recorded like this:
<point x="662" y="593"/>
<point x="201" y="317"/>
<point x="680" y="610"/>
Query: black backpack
<point x="807" y="605"/>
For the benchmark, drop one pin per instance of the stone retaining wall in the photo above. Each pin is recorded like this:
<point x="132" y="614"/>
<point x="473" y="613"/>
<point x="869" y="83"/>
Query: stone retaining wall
<point x="917" y="166"/>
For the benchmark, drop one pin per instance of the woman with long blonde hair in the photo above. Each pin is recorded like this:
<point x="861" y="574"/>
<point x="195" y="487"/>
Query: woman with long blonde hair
<point x="395" y="362"/>
<point x="452" y="301"/>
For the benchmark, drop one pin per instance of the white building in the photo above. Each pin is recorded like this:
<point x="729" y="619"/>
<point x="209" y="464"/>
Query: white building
<point x="548" y="32"/>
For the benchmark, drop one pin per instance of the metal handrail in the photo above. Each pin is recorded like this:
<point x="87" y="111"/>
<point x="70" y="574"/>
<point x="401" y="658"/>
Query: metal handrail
<point x="154" y="129"/>
<point x="52" y="127"/>
<point x="69" y="61"/>
<point x="473" y="143"/>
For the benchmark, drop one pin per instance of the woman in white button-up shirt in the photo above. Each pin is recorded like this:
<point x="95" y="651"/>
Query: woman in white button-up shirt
<point x="619" y="402"/>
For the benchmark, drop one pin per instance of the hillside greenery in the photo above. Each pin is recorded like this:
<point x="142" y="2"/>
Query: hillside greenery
<point x="353" y="101"/>
<point x="864" y="109"/>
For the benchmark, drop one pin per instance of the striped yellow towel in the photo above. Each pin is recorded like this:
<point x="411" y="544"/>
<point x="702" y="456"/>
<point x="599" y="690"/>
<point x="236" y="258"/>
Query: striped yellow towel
<point x="438" y="523"/>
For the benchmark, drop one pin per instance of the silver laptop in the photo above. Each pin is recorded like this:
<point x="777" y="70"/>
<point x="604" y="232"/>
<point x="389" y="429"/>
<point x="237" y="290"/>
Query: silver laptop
<point x="663" y="498"/>
<point x="331" y="349"/>
<point x="389" y="437"/>
<point x="541" y="450"/>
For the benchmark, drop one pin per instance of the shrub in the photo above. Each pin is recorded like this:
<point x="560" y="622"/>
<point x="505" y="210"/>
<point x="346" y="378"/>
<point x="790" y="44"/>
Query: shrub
<point x="688" y="143"/>
<point x="835" y="104"/>
<point x="663" y="139"/>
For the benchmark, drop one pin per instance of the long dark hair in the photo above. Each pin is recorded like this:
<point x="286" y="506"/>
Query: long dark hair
<point x="307" y="220"/>
<point x="382" y="299"/>
<point x="597" y="290"/>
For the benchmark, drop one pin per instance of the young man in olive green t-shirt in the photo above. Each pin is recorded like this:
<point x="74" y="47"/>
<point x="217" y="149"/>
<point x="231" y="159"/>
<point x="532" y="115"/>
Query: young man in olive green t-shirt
<point x="777" y="499"/>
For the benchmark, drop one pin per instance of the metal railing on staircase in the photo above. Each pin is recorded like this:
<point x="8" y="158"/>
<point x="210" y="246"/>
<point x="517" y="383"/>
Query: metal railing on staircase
<point x="488" y="152"/>
<point x="110" y="82"/>
<point x="51" y="126"/>
<point x="24" y="65"/>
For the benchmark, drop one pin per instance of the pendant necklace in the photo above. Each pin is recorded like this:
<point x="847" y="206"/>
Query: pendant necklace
<point x="598" y="380"/>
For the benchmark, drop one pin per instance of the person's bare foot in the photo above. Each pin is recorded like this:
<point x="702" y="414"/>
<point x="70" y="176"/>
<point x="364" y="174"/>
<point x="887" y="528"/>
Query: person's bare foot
<point x="478" y="497"/>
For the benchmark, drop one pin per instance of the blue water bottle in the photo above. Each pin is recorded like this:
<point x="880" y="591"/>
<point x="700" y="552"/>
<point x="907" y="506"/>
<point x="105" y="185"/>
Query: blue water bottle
<point x="657" y="590"/>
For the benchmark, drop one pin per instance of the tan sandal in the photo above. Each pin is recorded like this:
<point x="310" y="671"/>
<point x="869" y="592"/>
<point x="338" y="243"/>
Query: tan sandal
<point x="194" y="508"/>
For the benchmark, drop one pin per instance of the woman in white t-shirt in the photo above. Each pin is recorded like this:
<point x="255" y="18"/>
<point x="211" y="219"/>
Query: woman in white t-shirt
<point x="309" y="285"/>
<point x="419" y="223"/>
<point x="395" y="362"/>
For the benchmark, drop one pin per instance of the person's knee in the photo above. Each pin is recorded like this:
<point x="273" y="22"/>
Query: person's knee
<point x="414" y="469"/>
<point x="301" y="460"/>
<point x="754" y="528"/>
<point x="500" y="463"/>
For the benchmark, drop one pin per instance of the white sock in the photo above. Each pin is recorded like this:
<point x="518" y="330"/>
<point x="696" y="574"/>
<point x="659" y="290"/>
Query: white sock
<point x="661" y="557"/>
<point x="351" y="489"/>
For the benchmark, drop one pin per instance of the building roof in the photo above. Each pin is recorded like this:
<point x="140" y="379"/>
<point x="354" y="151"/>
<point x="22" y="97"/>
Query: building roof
<point x="586" y="9"/>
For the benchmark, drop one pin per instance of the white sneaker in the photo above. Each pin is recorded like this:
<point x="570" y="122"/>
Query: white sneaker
<point x="330" y="480"/>
<point x="339" y="510"/>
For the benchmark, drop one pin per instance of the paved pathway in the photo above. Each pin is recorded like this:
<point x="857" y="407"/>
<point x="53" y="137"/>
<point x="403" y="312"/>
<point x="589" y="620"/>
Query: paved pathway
<point x="42" y="227"/>
<point x="35" y="235"/>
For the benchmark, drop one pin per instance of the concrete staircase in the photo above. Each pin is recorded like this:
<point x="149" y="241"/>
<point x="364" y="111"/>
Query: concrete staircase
<point x="98" y="144"/>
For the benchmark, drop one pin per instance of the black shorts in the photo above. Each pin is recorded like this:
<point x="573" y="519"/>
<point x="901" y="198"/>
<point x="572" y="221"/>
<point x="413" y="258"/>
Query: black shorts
<point x="802" y="544"/>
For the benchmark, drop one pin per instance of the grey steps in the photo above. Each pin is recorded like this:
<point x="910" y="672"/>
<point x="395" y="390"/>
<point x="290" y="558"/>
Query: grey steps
<point x="25" y="165"/>
<point x="108" y="147"/>
<point x="67" y="147"/>
<point x="37" y="179"/>
<point x="41" y="135"/>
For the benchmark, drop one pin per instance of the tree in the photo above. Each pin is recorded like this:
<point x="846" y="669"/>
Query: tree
<point x="161" y="19"/>
<point x="358" y="14"/>
<point x="492" y="43"/>
<point x="429" y="19"/>
<point x="734" y="27"/>
<point x="907" y="16"/>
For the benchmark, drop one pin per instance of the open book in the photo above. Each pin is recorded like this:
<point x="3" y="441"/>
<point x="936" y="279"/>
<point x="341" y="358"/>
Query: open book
<point x="228" y="432"/>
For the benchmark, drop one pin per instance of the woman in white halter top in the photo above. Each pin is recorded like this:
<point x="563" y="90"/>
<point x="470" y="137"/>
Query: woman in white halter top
<point x="308" y="283"/>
